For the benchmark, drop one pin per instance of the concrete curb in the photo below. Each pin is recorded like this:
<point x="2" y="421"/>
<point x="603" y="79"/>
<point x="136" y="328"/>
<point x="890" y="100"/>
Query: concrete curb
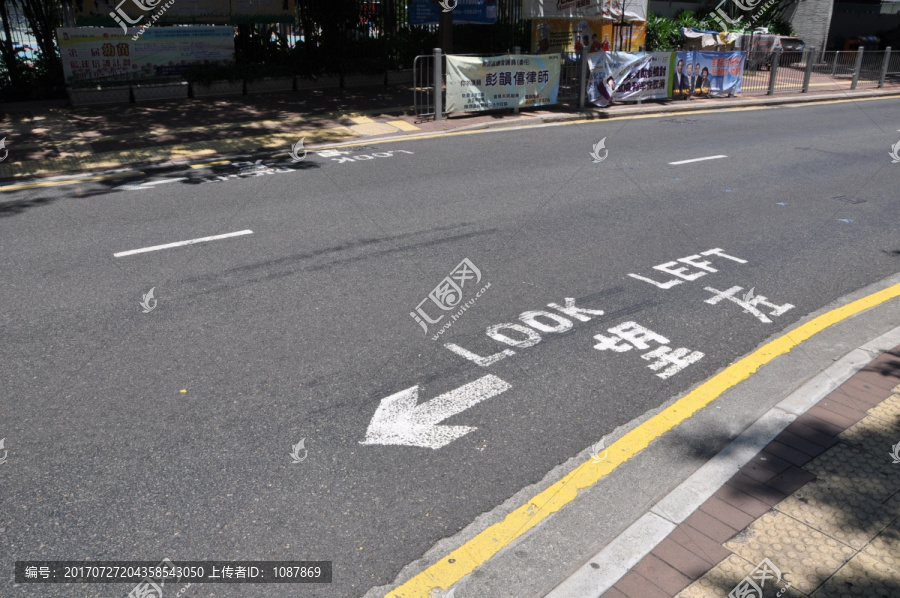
<point x="630" y="547"/>
<point x="643" y="110"/>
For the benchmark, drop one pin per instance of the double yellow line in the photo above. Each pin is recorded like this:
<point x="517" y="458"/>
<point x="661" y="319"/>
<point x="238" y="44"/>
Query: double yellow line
<point x="474" y="553"/>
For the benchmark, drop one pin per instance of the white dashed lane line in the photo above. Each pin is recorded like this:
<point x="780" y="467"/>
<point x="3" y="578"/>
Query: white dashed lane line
<point x="180" y="243"/>
<point x="696" y="160"/>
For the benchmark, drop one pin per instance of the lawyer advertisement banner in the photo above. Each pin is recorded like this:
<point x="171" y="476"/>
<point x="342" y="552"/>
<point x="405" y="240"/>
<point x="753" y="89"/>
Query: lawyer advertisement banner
<point x="707" y="74"/>
<point x="629" y="76"/>
<point x="475" y="84"/>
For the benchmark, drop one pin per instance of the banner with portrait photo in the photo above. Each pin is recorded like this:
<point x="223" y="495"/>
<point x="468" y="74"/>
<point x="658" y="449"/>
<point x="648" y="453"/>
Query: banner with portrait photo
<point x="476" y="83"/>
<point x="629" y="76"/>
<point x="707" y="74"/>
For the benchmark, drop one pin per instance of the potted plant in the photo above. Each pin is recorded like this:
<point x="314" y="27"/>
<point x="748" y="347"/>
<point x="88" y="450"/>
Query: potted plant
<point x="154" y="89"/>
<point x="86" y="93"/>
<point x="270" y="78"/>
<point x="210" y="80"/>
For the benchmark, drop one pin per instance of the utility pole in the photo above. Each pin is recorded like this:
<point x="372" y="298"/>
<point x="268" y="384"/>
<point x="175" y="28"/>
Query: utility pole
<point x="445" y="31"/>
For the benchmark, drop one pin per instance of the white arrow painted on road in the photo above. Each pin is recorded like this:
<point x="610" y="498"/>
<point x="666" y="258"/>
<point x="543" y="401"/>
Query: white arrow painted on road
<point x="400" y="420"/>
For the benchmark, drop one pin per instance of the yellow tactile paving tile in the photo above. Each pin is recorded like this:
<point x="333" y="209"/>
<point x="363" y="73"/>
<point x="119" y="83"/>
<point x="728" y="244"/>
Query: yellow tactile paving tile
<point x="838" y="512"/>
<point x="361" y="120"/>
<point x="888" y="410"/>
<point x="373" y="128"/>
<point x="809" y="555"/>
<point x="873" y="573"/>
<point x="403" y="125"/>
<point x="873" y="433"/>
<point x="852" y="467"/>
<point x="719" y="580"/>
<point x="724" y="577"/>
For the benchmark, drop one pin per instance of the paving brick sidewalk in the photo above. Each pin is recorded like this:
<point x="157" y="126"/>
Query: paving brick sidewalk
<point x="54" y="138"/>
<point x="821" y="503"/>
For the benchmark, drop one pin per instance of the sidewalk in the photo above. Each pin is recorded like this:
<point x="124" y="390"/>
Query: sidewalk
<point x="816" y="513"/>
<point x="55" y="138"/>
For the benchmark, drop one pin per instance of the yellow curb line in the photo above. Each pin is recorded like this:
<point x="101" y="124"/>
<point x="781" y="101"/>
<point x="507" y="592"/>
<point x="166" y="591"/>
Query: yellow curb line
<point x="69" y="181"/>
<point x="474" y="553"/>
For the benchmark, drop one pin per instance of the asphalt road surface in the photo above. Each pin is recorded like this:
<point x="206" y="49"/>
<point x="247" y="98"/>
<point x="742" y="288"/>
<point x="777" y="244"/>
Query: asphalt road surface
<point x="144" y="428"/>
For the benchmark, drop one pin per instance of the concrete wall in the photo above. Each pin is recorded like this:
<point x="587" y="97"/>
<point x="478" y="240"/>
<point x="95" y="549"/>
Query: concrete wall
<point x="811" y="20"/>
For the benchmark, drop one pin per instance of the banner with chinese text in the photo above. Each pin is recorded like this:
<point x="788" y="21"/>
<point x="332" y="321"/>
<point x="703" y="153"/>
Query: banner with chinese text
<point x="567" y="36"/>
<point x="635" y="10"/>
<point x="474" y="12"/>
<point x="475" y="84"/>
<point x="707" y="74"/>
<point x="90" y="53"/>
<point x="630" y="77"/>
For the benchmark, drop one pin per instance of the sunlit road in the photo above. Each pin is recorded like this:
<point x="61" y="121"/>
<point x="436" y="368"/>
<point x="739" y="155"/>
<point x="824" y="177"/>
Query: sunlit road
<point x="144" y="428"/>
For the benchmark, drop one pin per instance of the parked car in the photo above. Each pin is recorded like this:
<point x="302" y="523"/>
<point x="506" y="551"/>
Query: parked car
<point x="763" y="50"/>
<point x="792" y="49"/>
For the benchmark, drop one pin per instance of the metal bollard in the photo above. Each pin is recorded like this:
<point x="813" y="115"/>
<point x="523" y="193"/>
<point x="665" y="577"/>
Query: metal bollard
<point x="516" y="50"/>
<point x="773" y="71"/>
<point x="438" y="86"/>
<point x="809" y="64"/>
<point x="582" y="78"/>
<point x="884" y="66"/>
<point x="859" y="58"/>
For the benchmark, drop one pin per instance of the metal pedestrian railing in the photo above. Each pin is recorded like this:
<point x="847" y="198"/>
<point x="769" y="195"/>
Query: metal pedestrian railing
<point x="428" y="85"/>
<point x="568" y="78"/>
<point x="765" y="73"/>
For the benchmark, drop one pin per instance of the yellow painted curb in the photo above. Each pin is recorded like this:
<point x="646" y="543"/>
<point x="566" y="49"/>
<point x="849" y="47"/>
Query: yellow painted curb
<point x="474" y="553"/>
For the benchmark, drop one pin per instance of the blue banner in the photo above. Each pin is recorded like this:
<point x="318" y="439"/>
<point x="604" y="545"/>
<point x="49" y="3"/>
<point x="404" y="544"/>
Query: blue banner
<point x="476" y="12"/>
<point x="707" y="74"/>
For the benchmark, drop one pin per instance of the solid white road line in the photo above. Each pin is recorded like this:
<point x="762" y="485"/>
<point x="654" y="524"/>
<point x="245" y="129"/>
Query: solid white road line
<point x="151" y="184"/>
<point x="696" y="160"/>
<point x="180" y="243"/>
